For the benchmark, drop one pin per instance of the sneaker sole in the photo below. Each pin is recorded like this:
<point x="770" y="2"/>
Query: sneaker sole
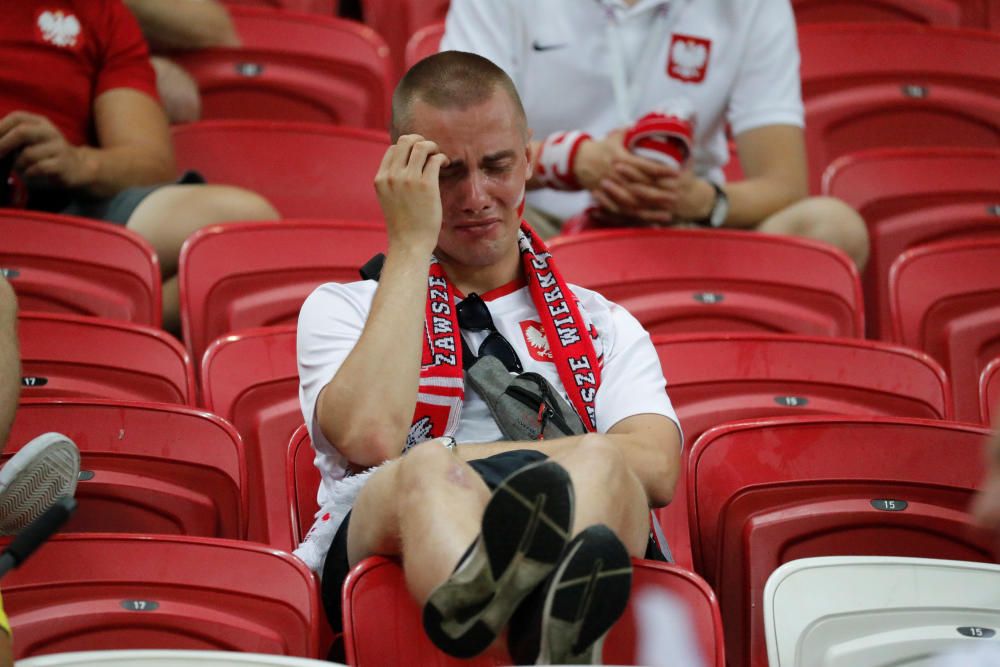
<point x="588" y="593"/>
<point x="525" y="527"/>
<point x="43" y="471"/>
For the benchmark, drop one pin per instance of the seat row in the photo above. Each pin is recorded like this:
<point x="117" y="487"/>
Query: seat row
<point x="755" y="494"/>
<point x="942" y="299"/>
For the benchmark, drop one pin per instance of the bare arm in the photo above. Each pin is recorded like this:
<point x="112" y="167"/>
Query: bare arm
<point x="651" y="445"/>
<point x="367" y="407"/>
<point x="184" y="24"/>
<point x="133" y="146"/>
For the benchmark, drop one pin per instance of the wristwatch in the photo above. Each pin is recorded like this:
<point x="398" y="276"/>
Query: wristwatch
<point x="720" y="209"/>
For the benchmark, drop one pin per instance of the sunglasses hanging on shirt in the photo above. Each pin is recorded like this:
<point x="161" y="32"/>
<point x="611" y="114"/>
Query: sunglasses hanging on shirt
<point x="473" y="315"/>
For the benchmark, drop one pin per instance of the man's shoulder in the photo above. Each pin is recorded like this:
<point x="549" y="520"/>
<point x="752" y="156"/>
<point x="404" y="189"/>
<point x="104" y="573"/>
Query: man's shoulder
<point x="358" y="295"/>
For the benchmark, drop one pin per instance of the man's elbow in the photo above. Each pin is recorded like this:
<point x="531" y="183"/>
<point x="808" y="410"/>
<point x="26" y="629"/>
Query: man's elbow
<point x="367" y="443"/>
<point x="665" y="473"/>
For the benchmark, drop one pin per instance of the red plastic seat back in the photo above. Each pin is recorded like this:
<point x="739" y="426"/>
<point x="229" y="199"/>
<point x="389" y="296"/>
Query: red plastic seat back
<point x="764" y="492"/>
<point x="906" y="198"/>
<point x="252" y="380"/>
<point x="382" y="622"/>
<point x="94" y="592"/>
<point x="718" y="378"/>
<point x="989" y="392"/>
<point x="146" y="467"/>
<point x="303" y="483"/>
<point x="326" y="7"/>
<point x="65" y="356"/>
<point x="945" y="300"/>
<point x="397" y="20"/>
<point x="63" y="264"/>
<point x="241" y="276"/>
<point x="304" y="169"/>
<point x="684" y="281"/>
<point x="424" y="42"/>
<point x="921" y="12"/>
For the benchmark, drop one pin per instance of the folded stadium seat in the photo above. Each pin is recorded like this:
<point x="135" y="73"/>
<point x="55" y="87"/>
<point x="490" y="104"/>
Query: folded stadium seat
<point x="294" y="67"/>
<point x="397" y="20"/>
<point x="945" y="300"/>
<point x="947" y="13"/>
<point x="327" y="7"/>
<point x="382" y="623"/>
<point x="989" y="392"/>
<point x="424" y="42"/>
<point x="304" y="169"/>
<point x="106" y="591"/>
<point x="764" y="492"/>
<point x="64" y="264"/>
<point x="852" y="611"/>
<point x="913" y="196"/>
<point x="245" y="275"/>
<point x="251" y="379"/>
<point x="683" y="281"/>
<point x="72" y="356"/>
<point x="167" y="658"/>
<point x="146" y="467"/>
<point x="717" y="378"/>
<point x="302" y="482"/>
<point x="916" y="86"/>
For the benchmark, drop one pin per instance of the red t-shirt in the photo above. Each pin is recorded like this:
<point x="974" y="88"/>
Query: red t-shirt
<point x="57" y="56"/>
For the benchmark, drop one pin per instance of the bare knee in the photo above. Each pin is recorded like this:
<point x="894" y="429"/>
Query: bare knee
<point x="428" y="466"/>
<point x="8" y="303"/>
<point x="824" y="219"/>
<point x="602" y="461"/>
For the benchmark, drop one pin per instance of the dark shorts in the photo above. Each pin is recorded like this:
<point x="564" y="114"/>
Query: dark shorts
<point x="492" y="470"/>
<point x="116" y="209"/>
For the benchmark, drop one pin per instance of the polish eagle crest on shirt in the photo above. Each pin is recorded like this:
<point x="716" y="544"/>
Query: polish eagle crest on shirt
<point x="59" y="28"/>
<point x="689" y="57"/>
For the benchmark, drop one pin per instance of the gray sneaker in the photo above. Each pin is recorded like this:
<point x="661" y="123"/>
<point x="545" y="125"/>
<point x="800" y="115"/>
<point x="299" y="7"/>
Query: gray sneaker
<point x="43" y="471"/>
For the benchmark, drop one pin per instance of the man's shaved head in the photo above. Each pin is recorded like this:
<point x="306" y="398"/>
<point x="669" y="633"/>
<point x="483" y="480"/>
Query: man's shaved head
<point x="450" y="80"/>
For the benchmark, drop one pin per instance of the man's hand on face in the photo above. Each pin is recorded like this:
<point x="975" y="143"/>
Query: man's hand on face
<point x="44" y="155"/>
<point x="409" y="193"/>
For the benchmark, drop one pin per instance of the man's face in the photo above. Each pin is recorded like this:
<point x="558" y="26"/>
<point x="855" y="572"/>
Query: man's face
<point x="483" y="185"/>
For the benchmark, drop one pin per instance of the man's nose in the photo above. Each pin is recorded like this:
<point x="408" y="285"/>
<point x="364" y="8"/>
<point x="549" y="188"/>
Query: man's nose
<point x="475" y="195"/>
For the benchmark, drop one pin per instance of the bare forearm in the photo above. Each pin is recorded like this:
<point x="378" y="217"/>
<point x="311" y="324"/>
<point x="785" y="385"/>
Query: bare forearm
<point x="106" y="171"/>
<point x="184" y="24"/>
<point x="753" y="200"/>
<point x="367" y="408"/>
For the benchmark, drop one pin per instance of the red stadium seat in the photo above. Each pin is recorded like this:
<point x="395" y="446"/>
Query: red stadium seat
<point x="948" y="13"/>
<point x="989" y="392"/>
<point x="424" y="42"/>
<point x="302" y="483"/>
<point x="305" y="170"/>
<point x="245" y="275"/>
<point x="295" y="67"/>
<point x="902" y="93"/>
<point x="397" y="20"/>
<point x="146" y="467"/>
<point x="717" y="378"/>
<point x="682" y="281"/>
<point x="260" y="398"/>
<point x="945" y="300"/>
<point x="63" y="264"/>
<point x="92" y="592"/>
<point x="327" y="7"/>
<point x="913" y="196"/>
<point x="762" y="493"/>
<point x="382" y="623"/>
<point x="65" y="356"/>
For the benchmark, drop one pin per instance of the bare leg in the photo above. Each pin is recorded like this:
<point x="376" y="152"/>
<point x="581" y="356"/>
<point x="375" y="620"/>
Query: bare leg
<point x="426" y="507"/>
<point x="823" y="219"/>
<point x="172" y="213"/>
<point x="607" y="492"/>
<point x="10" y="360"/>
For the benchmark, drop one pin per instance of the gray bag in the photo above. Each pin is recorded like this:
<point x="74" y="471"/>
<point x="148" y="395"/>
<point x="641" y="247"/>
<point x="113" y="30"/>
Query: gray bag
<point x="525" y="406"/>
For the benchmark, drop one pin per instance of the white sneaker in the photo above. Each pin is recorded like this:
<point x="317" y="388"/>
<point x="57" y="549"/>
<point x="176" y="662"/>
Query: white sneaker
<point x="43" y="471"/>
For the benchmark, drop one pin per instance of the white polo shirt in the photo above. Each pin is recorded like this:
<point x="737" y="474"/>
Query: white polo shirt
<point x="731" y="61"/>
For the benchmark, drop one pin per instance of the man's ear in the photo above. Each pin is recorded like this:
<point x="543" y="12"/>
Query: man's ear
<point x="530" y="154"/>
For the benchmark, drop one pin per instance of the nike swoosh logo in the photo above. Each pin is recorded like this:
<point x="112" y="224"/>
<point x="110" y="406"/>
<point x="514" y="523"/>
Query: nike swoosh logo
<point x="545" y="47"/>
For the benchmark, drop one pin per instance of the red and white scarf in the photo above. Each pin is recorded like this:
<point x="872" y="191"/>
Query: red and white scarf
<point x="442" y="388"/>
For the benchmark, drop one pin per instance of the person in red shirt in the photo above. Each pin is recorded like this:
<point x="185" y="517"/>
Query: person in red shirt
<point x="82" y="128"/>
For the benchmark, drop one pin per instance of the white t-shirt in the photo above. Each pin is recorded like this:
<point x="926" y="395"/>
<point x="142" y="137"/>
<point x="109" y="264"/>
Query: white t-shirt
<point x="632" y="383"/>
<point x="734" y="61"/>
